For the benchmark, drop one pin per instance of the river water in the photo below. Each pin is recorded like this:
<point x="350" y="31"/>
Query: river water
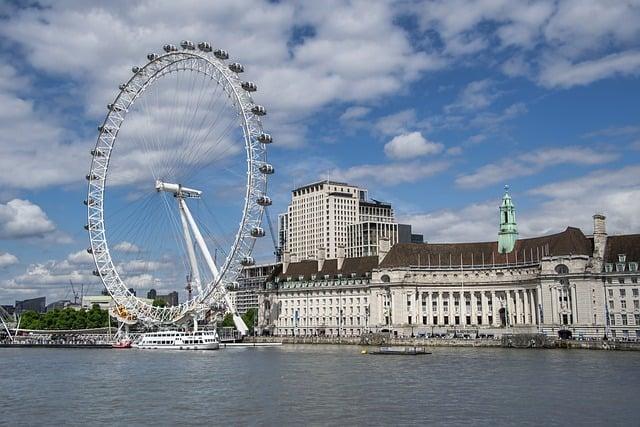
<point x="318" y="385"/>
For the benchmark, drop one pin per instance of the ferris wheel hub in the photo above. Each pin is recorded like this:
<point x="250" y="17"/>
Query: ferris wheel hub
<point x="177" y="190"/>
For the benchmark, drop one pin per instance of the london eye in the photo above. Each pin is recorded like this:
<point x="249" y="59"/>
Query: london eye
<point x="178" y="183"/>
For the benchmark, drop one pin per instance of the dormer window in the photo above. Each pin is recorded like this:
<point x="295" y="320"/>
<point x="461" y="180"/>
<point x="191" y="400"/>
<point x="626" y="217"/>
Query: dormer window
<point x="608" y="267"/>
<point x="620" y="267"/>
<point x="313" y="277"/>
<point x="353" y="274"/>
<point x="326" y="277"/>
<point x="301" y="278"/>
<point x="622" y="258"/>
<point x="633" y="266"/>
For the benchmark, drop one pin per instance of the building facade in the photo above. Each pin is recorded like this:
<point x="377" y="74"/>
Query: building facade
<point x="328" y="215"/>
<point x="244" y="293"/>
<point x="568" y="281"/>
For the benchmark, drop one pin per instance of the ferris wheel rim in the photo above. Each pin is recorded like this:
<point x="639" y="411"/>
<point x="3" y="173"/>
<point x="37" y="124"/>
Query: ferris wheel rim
<point x="256" y="183"/>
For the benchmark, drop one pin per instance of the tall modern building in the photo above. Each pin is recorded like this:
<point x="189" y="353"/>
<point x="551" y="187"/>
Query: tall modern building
<point x="327" y="218"/>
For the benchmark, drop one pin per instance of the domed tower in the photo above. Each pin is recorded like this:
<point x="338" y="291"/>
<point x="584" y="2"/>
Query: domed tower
<point x="508" y="234"/>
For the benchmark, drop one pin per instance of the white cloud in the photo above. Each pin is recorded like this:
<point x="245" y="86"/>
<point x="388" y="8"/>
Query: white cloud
<point x="392" y="124"/>
<point x="356" y="112"/>
<point x="411" y="145"/>
<point x="389" y="174"/>
<point x="339" y="61"/>
<point x="531" y="163"/>
<point x="556" y="44"/>
<point x="22" y="218"/>
<point x="126" y="247"/>
<point x="476" y="95"/>
<point x="7" y="259"/>
<point x="560" y="72"/>
<point x="573" y="202"/>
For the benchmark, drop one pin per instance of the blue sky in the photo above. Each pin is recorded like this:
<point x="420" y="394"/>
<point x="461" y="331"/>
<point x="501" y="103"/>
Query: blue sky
<point x="432" y="105"/>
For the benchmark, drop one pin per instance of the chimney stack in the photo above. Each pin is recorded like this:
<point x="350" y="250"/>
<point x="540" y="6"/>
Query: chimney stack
<point x="384" y="246"/>
<point x="599" y="241"/>
<point x="340" y="256"/>
<point x="286" y="260"/>
<point x="320" y="256"/>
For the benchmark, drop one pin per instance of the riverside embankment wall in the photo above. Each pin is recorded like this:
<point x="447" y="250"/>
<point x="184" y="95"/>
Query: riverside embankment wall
<point x="530" y="341"/>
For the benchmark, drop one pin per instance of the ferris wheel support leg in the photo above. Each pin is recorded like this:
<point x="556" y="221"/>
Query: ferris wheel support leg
<point x="195" y="272"/>
<point x="237" y="320"/>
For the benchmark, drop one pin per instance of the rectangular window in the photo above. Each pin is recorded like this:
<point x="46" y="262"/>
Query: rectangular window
<point x="620" y="279"/>
<point x="610" y="293"/>
<point x="611" y="305"/>
<point x="624" y="320"/>
<point x="623" y="293"/>
<point x="623" y="304"/>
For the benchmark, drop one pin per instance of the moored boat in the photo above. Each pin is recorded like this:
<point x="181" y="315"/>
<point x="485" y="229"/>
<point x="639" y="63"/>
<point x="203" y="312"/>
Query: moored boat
<point x="179" y="340"/>
<point x="123" y="343"/>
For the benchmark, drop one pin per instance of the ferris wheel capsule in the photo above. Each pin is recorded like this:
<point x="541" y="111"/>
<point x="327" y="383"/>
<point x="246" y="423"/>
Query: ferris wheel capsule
<point x="188" y="45"/>
<point x="152" y="57"/>
<point x="236" y="67"/>
<point x="265" y="138"/>
<point x="221" y="54"/>
<point x="204" y="46"/>
<point x="266" y="169"/>
<point x="258" y="110"/>
<point x="257" y="232"/>
<point x="247" y="261"/>
<point x="264" y="201"/>
<point x="169" y="48"/>
<point x="249" y="86"/>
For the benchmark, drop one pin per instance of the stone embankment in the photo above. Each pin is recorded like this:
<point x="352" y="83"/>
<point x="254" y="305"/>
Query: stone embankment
<point x="506" y="341"/>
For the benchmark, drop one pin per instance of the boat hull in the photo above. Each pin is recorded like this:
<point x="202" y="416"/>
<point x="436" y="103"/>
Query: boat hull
<point x="205" y="346"/>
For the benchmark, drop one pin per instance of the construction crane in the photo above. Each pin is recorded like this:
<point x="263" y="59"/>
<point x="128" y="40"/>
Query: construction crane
<point x="277" y="251"/>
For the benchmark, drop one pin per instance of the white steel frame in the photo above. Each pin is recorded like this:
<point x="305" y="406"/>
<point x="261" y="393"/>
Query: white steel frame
<point x="214" y="292"/>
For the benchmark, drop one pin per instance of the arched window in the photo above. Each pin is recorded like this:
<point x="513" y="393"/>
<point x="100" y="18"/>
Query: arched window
<point x="385" y="278"/>
<point x="562" y="269"/>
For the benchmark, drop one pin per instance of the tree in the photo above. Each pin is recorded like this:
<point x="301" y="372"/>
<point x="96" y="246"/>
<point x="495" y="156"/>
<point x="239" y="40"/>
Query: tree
<point x="250" y="318"/>
<point x="159" y="303"/>
<point x="228" y="321"/>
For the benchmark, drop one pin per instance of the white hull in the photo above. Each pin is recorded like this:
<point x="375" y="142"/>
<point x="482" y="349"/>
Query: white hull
<point x="179" y="340"/>
<point x="210" y="346"/>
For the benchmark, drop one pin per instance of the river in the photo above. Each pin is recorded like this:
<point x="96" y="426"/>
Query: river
<point x="318" y="385"/>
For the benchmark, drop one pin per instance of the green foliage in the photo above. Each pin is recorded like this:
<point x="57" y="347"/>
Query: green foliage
<point x="228" y="321"/>
<point x="250" y="319"/>
<point x="67" y="318"/>
<point x="159" y="303"/>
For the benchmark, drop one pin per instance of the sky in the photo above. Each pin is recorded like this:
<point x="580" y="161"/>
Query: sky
<point x="432" y="105"/>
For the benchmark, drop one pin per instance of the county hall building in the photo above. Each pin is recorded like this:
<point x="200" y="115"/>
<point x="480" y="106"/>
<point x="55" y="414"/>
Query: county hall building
<point x="584" y="284"/>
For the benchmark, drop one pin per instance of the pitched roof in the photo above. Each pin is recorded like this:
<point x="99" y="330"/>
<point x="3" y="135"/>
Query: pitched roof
<point x="569" y="242"/>
<point x="307" y="268"/>
<point x="628" y="245"/>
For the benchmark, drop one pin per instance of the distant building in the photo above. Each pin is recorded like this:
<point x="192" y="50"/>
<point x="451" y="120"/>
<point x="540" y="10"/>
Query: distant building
<point x="7" y="310"/>
<point x="171" y="299"/>
<point x="34" y="304"/>
<point x="328" y="215"/>
<point x="63" y="303"/>
<point x="244" y="294"/>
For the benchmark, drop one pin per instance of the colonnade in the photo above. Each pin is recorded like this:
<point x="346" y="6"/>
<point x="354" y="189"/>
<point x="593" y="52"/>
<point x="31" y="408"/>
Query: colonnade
<point x="474" y="307"/>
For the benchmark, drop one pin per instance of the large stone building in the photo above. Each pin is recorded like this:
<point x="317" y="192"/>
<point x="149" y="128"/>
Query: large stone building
<point x="565" y="281"/>
<point x="330" y="215"/>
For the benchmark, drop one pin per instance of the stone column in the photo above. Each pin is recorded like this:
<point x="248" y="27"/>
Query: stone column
<point x="485" y="308"/>
<point x="534" y="307"/>
<point x="494" y="309"/>
<point x="510" y="308"/>
<point x="554" y="303"/>
<point x="429" y="309"/>
<point x="574" y="305"/>
<point x="474" y="308"/>
<point x="440" y="309"/>
<point x="452" y="314"/>
<point x="527" y="307"/>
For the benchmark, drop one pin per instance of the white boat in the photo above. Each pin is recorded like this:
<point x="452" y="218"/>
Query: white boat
<point x="179" y="340"/>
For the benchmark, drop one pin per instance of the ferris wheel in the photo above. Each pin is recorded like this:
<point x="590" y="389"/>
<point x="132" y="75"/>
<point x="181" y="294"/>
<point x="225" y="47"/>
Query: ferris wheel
<point x="178" y="183"/>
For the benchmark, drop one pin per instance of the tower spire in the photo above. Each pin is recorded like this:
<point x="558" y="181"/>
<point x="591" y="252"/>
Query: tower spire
<point x="508" y="233"/>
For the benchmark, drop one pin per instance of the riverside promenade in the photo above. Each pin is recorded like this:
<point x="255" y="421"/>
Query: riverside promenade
<point x="521" y="341"/>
